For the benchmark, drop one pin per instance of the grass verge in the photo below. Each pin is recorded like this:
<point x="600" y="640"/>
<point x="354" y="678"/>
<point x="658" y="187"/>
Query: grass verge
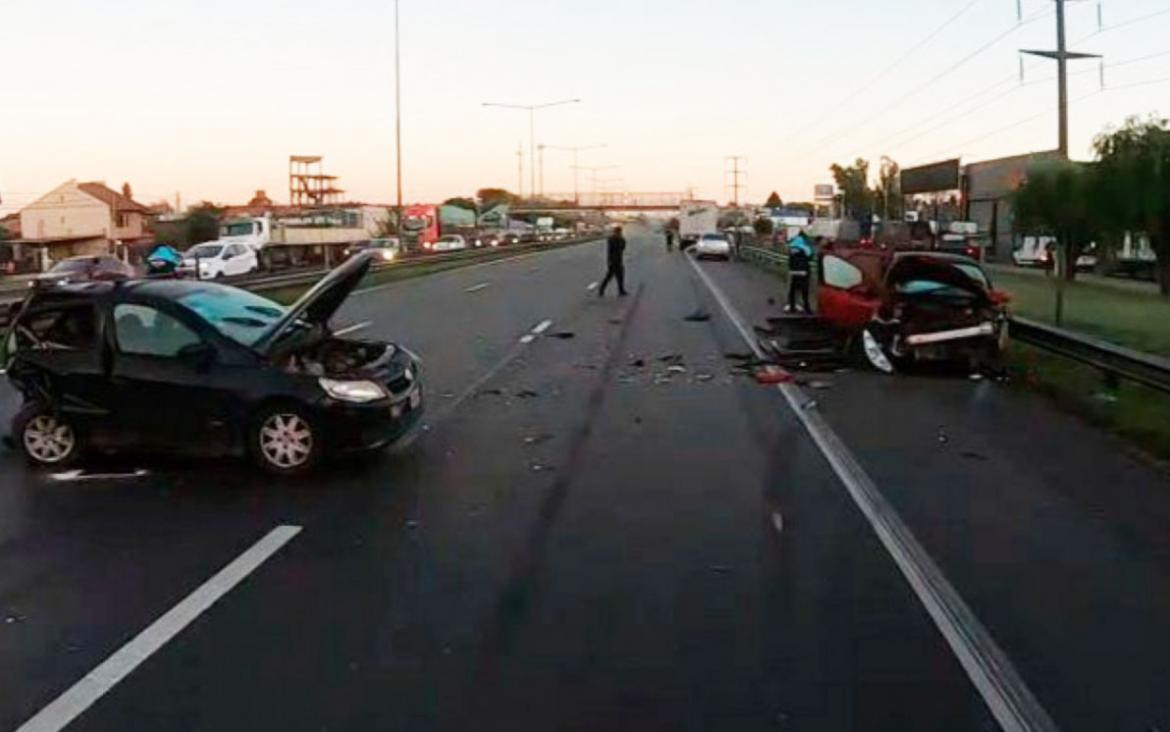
<point x="1137" y="413"/>
<point x="1139" y="320"/>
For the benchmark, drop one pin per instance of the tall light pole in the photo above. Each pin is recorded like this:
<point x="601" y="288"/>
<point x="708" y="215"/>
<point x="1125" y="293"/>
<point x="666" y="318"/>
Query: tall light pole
<point x="397" y="121"/>
<point x="594" y="170"/>
<point x="1062" y="56"/>
<point x="531" y="108"/>
<point x="574" y="150"/>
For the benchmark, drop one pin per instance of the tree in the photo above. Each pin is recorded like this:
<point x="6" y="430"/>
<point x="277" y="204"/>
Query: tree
<point x="464" y="203"/>
<point x="888" y="194"/>
<point x="1133" y="183"/>
<point x="1058" y="199"/>
<point x="763" y="226"/>
<point x="853" y="182"/>
<point x="489" y="197"/>
<point x="203" y="222"/>
<point x="773" y="201"/>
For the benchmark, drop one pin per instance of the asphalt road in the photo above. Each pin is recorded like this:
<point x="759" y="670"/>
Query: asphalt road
<point x="585" y="538"/>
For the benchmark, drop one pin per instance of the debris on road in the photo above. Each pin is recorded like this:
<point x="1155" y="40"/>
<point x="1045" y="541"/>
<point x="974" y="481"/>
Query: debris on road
<point x="526" y="394"/>
<point x="489" y="392"/>
<point x="676" y="369"/>
<point x="537" y="439"/>
<point x="817" y="384"/>
<point x="970" y="455"/>
<point x="638" y="363"/>
<point x="720" y="569"/>
<point x="615" y="321"/>
<point x="774" y="375"/>
<point x="698" y="317"/>
<point x="671" y="358"/>
<point x="942" y="437"/>
<point x="810" y="404"/>
<point x="704" y="376"/>
<point x="563" y="335"/>
<point x="80" y="475"/>
<point x="778" y="522"/>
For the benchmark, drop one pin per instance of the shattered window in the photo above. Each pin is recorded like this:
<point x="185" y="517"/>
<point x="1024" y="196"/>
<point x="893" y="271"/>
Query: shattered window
<point x="70" y="328"/>
<point x="839" y="273"/>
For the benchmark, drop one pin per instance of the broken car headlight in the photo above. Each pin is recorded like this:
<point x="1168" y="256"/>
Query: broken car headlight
<point x="358" y="392"/>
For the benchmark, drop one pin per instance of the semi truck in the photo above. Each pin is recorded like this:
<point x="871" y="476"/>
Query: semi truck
<point x="696" y="218"/>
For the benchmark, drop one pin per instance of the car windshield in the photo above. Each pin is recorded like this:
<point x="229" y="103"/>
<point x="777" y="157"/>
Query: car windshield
<point x="714" y="237"/>
<point x="448" y="238"/>
<point x="975" y="272"/>
<point x="238" y="314"/>
<point x="205" y="250"/>
<point x="245" y="228"/>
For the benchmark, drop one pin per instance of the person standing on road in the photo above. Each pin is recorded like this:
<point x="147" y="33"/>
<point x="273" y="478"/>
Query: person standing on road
<point x="615" y="250"/>
<point x="669" y="240"/>
<point x="800" y="257"/>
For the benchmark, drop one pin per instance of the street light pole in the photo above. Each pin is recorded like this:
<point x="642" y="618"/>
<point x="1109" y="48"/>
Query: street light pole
<point x="397" y="121"/>
<point x="532" y="108"/>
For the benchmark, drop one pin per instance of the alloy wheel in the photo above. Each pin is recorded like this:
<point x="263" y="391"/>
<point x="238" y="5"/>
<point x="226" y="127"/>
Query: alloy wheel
<point x="47" y="440"/>
<point x="286" y="441"/>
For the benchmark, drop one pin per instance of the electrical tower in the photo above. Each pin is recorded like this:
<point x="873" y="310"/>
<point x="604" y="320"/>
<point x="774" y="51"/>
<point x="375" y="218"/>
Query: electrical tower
<point x="1062" y="56"/>
<point x="736" y="173"/>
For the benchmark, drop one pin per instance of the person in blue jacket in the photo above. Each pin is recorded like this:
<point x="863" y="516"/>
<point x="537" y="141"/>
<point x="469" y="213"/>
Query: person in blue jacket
<point x="800" y="258"/>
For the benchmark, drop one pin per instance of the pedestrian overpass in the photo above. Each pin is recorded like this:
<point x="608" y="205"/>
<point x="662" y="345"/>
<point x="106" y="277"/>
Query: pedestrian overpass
<point x="607" y="202"/>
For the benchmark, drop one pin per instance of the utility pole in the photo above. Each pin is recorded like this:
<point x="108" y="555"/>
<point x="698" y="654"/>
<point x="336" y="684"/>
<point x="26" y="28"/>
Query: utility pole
<point x="735" y="174"/>
<point x="1062" y="56"/>
<point x="575" y="150"/>
<point x="532" y="108"/>
<point x="540" y="150"/>
<point x="520" y="169"/>
<point x="397" y="123"/>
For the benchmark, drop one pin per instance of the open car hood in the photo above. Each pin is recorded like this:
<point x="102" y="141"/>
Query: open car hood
<point x="934" y="269"/>
<point x="317" y="306"/>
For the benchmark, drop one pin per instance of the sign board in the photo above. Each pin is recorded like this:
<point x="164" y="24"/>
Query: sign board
<point x="931" y="178"/>
<point x="823" y="192"/>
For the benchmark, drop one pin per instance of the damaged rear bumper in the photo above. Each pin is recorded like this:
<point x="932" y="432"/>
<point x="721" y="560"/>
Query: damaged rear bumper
<point x="955" y="334"/>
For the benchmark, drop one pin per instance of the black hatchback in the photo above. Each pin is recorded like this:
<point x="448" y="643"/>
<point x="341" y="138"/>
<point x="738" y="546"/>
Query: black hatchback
<point x="197" y="367"/>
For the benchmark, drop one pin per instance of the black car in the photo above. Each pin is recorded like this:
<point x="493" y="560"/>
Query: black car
<point x="197" y="367"/>
<point x="99" y="268"/>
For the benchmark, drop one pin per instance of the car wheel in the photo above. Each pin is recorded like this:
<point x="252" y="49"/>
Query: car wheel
<point x="45" y="438"/>
<point x="285" y="441"/>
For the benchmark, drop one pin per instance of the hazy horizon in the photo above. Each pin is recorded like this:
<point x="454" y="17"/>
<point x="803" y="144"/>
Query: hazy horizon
<point x="208" y="99"/>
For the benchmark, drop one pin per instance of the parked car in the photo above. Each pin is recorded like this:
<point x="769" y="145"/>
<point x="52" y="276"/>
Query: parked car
<point x="213" y="260"/>
<point x="85" y="269"/>
<point x="489" y="240"/>
<point x="198" y="367"/>
<point x="713" y="246"/>
<point x="385" y="250"/>
<point x="913" y="306"/>
<point x="449" y="243"/>
<point x="1034" y="251"/>
<point x="509" y="239"/>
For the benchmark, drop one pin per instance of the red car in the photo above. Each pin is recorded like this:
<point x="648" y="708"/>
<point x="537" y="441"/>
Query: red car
<point x="913" y="306"/>
<point x="85" y="269"/>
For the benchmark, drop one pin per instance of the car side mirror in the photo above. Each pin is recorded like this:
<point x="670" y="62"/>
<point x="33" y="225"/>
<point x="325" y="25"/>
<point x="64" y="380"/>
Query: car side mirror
<point x="200" y="355"/>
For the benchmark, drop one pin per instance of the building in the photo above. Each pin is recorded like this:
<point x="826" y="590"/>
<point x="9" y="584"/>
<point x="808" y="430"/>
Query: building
<point x="78" y="219"/>
<point x="987" y="192"/>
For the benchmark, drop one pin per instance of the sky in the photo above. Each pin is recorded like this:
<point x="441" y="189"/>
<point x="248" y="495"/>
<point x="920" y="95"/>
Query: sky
<point x="208" y="98"/>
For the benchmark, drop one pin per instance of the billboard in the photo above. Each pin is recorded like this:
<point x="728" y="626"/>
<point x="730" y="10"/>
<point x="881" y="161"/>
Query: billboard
<point x="823" y="192"/>
<point x="931" y="178"/>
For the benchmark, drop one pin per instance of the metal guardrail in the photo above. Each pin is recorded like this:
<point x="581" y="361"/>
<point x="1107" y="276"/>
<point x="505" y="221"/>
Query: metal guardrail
<point x="1113" y="360"/>
<point x="1118" y="361"/>
<point x="263" y="282"/>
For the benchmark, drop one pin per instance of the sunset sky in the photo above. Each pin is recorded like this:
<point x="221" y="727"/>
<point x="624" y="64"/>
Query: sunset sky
<point x="208" y="98"/>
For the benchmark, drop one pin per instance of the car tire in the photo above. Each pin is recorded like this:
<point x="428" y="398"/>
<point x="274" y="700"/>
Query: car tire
<point x="284" y="440"/>
<point x="44" y="437"/>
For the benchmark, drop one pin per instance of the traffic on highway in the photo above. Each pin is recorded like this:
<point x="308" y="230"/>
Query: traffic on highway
<point x="421" y="445"/>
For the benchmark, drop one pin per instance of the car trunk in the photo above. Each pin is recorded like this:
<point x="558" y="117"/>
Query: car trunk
<point x="938" y="306"/>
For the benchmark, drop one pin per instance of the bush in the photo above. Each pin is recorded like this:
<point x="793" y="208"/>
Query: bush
<point x="763" y="227"/>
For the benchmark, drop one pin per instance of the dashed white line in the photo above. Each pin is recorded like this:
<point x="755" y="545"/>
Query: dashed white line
<point x="527" y="338"/>
<point x="477" y="288"/>
<point x="592" y="285"/>
<point x="542" y="327"/>
<point x="82" y="695"/>
<point x="990" y="670"/>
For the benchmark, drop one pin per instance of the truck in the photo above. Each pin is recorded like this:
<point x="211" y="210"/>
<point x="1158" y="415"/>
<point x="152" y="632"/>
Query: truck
<point x="420" y="227"/>
<point x="696" y="218"/>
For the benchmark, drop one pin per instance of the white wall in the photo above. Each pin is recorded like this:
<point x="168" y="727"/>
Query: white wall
<point x="63" y="212"/>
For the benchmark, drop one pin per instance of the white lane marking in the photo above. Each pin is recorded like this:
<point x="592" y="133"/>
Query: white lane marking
<point x="79" y="697"/>
<point x="527" y="338"/>
<point x="592" y="285"/>
<point x="542" y="327"/>
<point x="70" y="476"/>
<point x="990" y="670"/>
<point x="477" y="288"/>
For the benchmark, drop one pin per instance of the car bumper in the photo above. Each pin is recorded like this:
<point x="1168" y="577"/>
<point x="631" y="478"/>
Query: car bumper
<point x="363" y="427"/>
<point x="702" y="251"/>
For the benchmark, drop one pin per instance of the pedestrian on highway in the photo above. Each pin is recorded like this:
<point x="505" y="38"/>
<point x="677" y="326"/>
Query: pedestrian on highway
<point x="669" y="240"/>
<point x="615" y="250"/>
<point x="800" y="257"/>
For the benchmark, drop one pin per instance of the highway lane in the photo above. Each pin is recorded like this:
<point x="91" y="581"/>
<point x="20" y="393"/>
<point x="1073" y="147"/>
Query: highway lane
<point x="597" y="544"/>
<point x="1053" y="531"/>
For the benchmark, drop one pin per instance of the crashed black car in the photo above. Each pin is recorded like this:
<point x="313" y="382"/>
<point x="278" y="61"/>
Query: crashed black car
<point x="196" y="367"/>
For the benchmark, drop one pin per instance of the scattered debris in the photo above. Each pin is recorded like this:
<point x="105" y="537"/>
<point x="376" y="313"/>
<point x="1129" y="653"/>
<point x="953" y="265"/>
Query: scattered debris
<point x="720" y="569"/>
<point x="942" y="437"/>
<point x="704" y="376"/>
<point x="778" y="522"/>
<point x="676" y="369"/>
<point x="976" y="376"/>
<point x="970" y="455"/>
<point x="771" y="301"/>
<point x="815" y="384"/>
<point x="448" y="395"/>
<point x="671" y="358"/>
<point x="810" y="404"/>
<point x="526" y="394"/>
<point x="698" y="317"/>
<point x="615" y="321"/>
<point x="563" y="335"/>
<point x="489" y="392"/>
<point x="738" y="356"/>
<point x="80" y="475"/>
<point x="1104" y="396"/>
<point x="638" y="363"/>
<point x="537" y="439"/>
<point x="637" y="420"/>
<point x="774" y="375"/>
<point x="539" y="467"/>
<point x="411" y="524"/>
<point x="10" y="619"/>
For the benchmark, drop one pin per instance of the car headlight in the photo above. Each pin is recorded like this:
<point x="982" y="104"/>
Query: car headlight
<point x="358" y="392"/>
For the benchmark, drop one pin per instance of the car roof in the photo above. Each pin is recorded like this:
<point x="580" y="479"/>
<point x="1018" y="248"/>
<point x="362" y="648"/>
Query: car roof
<point x="956" y="258"/>
<point x="169" y="289"/>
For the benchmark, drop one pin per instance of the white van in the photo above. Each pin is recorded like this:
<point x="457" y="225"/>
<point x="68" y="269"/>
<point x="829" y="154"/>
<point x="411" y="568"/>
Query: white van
<point x="213" y="260"/>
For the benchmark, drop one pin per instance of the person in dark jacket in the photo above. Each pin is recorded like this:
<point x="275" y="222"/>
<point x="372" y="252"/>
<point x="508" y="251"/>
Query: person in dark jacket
<point x="669" y="240"/>
<point x="615" y="249"/>
<point x="800" y="256"/>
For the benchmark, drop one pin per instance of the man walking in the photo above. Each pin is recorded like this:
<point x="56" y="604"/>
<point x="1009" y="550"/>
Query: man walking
<point x="615" y="249"/>
<point x="800" y="258"/>
<point x="669" y="239"/>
